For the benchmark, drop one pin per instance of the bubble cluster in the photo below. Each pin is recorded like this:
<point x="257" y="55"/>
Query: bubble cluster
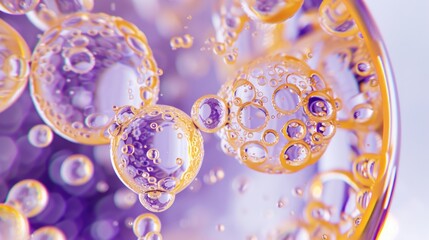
<point x="29" y="196"/>
<point x="17" y="7"/>
<point x="40" y="136"/>
<point x="271" y="11"/>
<point x="182" y="42"/>
<point x="335" y="19"/>
<point x="48" y="233"/>
<point x="146" y="224"/>
<point x="281" y="115"/>
<point x="209" y="113"/>
<point x="13" y="225"/>
<point x="76" y="170"/>
<point x="14" y="59"/>
<point x="156" y="151"/>
<point x="76" y="65"/>
<point x="49" y="12"/>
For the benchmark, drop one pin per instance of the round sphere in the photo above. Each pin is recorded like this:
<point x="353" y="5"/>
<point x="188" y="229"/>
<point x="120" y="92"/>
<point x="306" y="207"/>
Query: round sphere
<point x="77" y="170"/>
<point x="13" y="225"/>
<point x="282" y="115"/>
<point x="49" y="12"/>
<point x="156" y="151"/>
<point x="28" y="196"/>
<point x="48" y="233"/>
<point x="336" y="19"/>
<point x="146" y="223"/>
<point x="40" y="136"/>
<point x="14" y="59"/>
<point x="209" y="113"/>
<point x="271" y="11"/>
<point x="17" y="7"/>
<point x="153" y="236"/>
<point x="85" y="65"/>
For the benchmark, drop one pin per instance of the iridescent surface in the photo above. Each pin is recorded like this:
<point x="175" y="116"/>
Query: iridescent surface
<point x="13" y="225"/>
<point x="30" y="197"/>
<point x="48" y="233"/>
<point x="17" y="7"/>
<point x="77" y="169"/>
<point x="40" y="136"/>
<point x="75" y="65"/>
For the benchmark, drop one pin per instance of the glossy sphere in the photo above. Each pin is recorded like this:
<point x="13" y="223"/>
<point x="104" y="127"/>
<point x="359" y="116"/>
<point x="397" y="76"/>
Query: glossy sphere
<point x="14" y="59"/>
<point x="40" y="136"/>
<point x="271" y="11"/>
<point x="49" y="12"/>
<point x="336" y="19"/>
<point x="209" y="113"/>
<point x="146" y="223"/>
<point x="17" y="7"/>
<point x="13" y="225"/>
<point x="77" y="170"/>
<point x="85" y="65"/>
<point x="28" y="196"/>
<point x="282" y="115"/>
<point x="156" y="151"/>
<point x="48" y="233"/>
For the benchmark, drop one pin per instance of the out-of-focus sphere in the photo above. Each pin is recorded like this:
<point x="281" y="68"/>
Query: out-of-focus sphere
<point x="153" y="236"/>
<point x="28" y="196"/>
<point x="48" y="233"/>
<point x="156" y="151"/>
<point x="13" y="224"/>
<point x="124" y="198"/>
<point x="282" y="115"/>
<point x="336" y="19"/>
<point x="14" y="59"/>
<point x="271" y="11"/>
<point x="85" y="65"/>
<point x="40" y="136"/>
<point x="146" y="223"/>
<point x="77" y="170"/>
<point x="17" y="7"/>
<point x="48" y="12"/>
<point x="209" y="113"/>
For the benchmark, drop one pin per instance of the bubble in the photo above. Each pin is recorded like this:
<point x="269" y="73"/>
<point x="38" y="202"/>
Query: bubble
<point x="209" y="113"/>
<point x="146" y="223"/>
<point x="153" y="236"/>
<point x="271" y="11"/>
<point x="29" y="196"/>
<point x="124" y="198"/>
<point x="48" y="233"/>
<point x="17" y="7"/>
<point x="336" y="19"/>
<point x="14" y="58"/>
<point x="182" y="42"/>
<point x="13" y="225"/>
<point x="157" y="201"/>
<point x="49" y="12"/>
<point x="283" y="124"/>
<point x="363" y="113"/>
<point x="76" y="170"/>
<point x="166" y="158"/>
<point x="40" y="136"/>
<point x="86" y="64"/>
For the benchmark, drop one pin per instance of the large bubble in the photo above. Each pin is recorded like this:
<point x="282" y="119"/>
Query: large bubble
<point x="86" y="64"/>
<point x="282" y="115"/>
<point x="13" y="225"/>
<point x="156" y="152"/>
<point x="14" y="59"/>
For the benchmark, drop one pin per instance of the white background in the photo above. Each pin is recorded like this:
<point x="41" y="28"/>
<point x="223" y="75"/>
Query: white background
<point x="405" y="28"/>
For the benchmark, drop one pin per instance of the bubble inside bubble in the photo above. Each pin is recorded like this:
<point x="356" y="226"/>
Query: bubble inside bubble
<point x="209" y="113"/>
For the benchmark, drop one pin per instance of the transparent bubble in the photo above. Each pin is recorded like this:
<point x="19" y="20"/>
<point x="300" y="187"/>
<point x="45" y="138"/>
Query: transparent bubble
<point x="124" y="198"/>
<point x="30" y="197"/>
<point x="146" y="223"/>
<point x="49" y="12"/>
<point x="77" y="170"/>
<point x="157" y="201"/>
<point x="336" y="19"/>
<point x="13" y="225"/>
<point x="167" y="150"/>
<point x="209" y="113"/>
<point x="182" y="42"/>
<point x="48" y="233"/>
<point x="280" y="125"/>
<point x="18" y="7"/>
<point x="86" y="64"/>
<point x="153" y="236"/>
<point x="271" y="11"/>
<point x="40" y="136"/>
<point x="14" y="59"/>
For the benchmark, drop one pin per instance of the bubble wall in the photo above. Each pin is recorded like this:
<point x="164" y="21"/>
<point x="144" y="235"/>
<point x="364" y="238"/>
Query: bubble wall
<point x="194" y="120"/>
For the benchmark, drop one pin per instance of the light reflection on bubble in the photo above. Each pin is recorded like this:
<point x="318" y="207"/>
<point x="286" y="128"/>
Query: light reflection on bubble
<point x="77" y="170"/>
<point x="48" y="233"/>
<point x="13" y="225"/>
<point x="17" y="7"/>
<point x="28" y="196"/>
<point x="146" y="223"/>
<point x="40" y="136"/>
